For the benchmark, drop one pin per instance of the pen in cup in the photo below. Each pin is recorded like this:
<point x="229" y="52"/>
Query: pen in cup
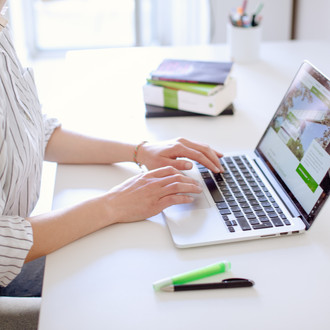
<point x="239" y="17"/>
<point x="255" y="20"/>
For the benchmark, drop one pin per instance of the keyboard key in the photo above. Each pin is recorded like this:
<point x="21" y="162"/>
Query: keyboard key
<point x="243" y="223"/>
<point x="213" y="189"/>
<point x="225" y="211"/>
<point x="228" y="195"/>
<point x="262" y="226"/>
<point x="218" y="177"/>
<point x="269" y="209"/>
<point x="238" y="214"/>
<point x="260" y="213"/>
<point x="247" y="210"/>
<point x="244" y="205"/>
<point x="222" y="205"/>
<point x="277" y="222"/>
<point x="254" y="222"/>
<point x="260" y="194"/>
<point x="231" y="229"/>
<point x="235" y="208"/>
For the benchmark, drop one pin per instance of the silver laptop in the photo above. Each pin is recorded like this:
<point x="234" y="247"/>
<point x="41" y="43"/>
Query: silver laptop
<point x="277" y="189"/>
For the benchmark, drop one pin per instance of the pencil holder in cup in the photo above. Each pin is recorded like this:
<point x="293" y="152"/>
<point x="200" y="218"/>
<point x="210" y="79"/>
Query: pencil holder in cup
<point x="244" y="43"/>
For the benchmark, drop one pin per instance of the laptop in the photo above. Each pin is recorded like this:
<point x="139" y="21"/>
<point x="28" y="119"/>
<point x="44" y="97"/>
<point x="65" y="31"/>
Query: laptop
<point x="276" y="190"/>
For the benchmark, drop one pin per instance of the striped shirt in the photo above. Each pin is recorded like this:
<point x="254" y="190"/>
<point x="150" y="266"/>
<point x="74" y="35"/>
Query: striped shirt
<point x="24" y="133"/>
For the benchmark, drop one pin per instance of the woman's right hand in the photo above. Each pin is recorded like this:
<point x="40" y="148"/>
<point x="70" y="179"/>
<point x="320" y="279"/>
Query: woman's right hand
<point x="147" y="194"/>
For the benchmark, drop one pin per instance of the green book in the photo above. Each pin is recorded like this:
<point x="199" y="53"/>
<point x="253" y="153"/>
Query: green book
<point x="203" y="89"/>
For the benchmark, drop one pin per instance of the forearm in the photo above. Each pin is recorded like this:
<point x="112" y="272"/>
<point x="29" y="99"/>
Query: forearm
<point x="71" y="148"/>
<point x="53" y="230"/>
<point x="135" y="199"/>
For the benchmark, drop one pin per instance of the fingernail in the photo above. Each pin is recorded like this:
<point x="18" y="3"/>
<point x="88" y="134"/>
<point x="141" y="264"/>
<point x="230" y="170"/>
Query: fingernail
<point x="200" y="188"/>
<point x="188" y="166"/>
<point x="218" y="169"/>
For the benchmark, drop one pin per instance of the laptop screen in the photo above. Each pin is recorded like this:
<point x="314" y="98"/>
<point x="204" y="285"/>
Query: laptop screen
<point x="296" y="144"/>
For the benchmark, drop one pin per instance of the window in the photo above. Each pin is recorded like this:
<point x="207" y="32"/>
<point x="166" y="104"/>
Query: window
<point x="69" y="24"/>
<point x="48" y="25"/>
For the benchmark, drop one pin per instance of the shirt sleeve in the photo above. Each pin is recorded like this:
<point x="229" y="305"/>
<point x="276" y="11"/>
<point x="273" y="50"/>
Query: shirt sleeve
<point x="16" y="240"/>
<point x="16" y="236"/>
<point x="50" y="125"/>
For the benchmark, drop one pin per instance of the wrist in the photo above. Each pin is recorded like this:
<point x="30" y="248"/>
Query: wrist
<point x="110" y="209"/>
<point x="137" y="153"/>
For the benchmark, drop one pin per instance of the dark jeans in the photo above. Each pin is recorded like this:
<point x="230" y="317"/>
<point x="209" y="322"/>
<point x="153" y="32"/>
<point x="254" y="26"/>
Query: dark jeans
<point x="28" y="283"/>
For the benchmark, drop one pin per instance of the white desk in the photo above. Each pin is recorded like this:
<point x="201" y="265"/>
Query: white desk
<point x="104" y="281"/>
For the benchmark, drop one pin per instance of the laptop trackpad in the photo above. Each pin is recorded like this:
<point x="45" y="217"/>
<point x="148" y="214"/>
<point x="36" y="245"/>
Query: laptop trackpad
<point x="200" y="202"/>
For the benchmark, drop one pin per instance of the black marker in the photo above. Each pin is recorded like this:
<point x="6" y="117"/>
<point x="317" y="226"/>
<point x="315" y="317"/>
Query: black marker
<point x="225" y="284"/>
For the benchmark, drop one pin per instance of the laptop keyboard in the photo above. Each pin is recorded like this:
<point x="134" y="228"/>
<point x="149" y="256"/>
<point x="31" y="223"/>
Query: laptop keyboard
<point x="241" y="197"/>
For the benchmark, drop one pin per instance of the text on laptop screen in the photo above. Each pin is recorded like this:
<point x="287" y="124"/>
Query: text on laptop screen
<point x="296" y="143"/>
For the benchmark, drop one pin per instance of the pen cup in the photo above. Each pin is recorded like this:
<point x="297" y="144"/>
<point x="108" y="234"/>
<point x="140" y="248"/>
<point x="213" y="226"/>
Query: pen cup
<point x="244" y="43"/>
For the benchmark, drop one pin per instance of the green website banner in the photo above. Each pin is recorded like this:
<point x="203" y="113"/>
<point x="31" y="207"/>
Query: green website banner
<point x="322" y="97"/>
<point x="308" y="179"/>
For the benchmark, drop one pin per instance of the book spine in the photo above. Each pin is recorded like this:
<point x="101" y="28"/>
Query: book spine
<point x="215" y="81"/>
<point x="182" y="100"/>
<point x="203" y="89"/>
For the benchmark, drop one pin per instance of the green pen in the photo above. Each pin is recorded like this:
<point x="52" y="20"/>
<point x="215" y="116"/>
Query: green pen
<point x="217" y="268"/>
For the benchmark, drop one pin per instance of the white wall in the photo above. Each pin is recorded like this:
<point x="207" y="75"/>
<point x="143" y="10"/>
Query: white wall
<point x="313" y="20"/>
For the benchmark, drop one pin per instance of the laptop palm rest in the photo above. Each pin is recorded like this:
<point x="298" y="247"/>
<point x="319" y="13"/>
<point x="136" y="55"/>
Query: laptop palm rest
<point x="190" y="224"/>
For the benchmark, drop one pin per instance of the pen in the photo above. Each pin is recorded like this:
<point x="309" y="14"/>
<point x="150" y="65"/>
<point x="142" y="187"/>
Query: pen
<point x="217" y="268"/>
<point x="225" y="284"/>
<point x="254" y="21"/>
<point x="258" y="10"/>
<point x="244" y="5"/>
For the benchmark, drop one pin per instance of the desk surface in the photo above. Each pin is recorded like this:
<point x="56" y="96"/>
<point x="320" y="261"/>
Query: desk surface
<point x="104" y="281"/>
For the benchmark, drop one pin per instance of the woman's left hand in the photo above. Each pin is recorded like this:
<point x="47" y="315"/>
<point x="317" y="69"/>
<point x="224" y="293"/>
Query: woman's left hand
<point x="170" y="153"/>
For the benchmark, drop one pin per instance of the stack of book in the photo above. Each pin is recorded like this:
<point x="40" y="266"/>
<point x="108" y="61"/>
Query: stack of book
<point x="187" y="87"/>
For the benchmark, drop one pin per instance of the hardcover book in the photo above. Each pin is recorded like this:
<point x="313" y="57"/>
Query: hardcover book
<point x="153" y="111"/>
<point x="193" y="71"/>
<point x="181" y="100"/>
<point x="198" y="88"/>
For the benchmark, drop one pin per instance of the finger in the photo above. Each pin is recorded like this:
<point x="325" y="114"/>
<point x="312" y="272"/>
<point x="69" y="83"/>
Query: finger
<point x="208" y="152"/>
<point x="163" y="172"/>
<point x="180" y="164"/>
<point x="181" y="178"/>
<point x="170" y="200"/>
<point x="204" y="156"/>
<point x="181" y="188"/>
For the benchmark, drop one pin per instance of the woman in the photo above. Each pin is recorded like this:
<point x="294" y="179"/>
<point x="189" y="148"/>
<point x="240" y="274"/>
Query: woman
<point x="27" y="138"/>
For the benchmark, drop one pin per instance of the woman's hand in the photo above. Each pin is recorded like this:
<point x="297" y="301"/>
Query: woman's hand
<point x="167" y="153"/>
<point x="147" y="194"/>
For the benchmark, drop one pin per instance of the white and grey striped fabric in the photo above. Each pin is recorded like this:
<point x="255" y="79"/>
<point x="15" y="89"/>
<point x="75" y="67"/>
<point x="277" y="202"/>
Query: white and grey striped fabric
<point x="24" y="133"/>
